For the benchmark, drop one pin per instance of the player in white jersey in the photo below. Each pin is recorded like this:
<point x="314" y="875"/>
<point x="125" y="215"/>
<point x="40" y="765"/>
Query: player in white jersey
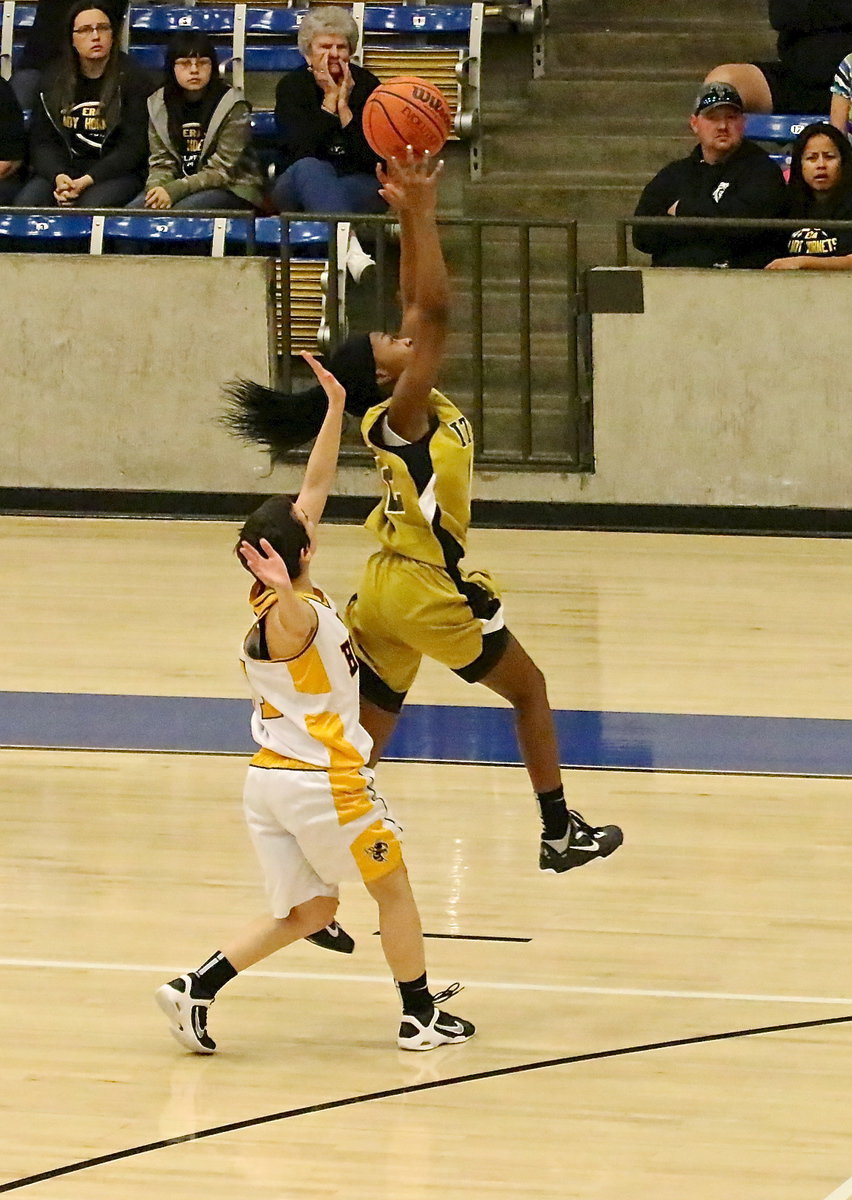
<point x="312" y="812"/>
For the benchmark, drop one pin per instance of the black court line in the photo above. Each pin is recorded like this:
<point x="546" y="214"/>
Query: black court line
<point x="390" y="1093"/>
<point x="468" y="937"/>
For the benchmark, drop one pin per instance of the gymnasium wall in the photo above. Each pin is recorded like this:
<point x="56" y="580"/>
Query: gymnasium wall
<point x="729" y="389"/>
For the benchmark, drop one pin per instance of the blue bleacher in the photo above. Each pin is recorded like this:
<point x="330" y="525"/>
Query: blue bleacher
<point x="777" y="127"/>
<point x="780" y="128"/>
<point x="304" y="236"/>
<point x="255" y="58"/>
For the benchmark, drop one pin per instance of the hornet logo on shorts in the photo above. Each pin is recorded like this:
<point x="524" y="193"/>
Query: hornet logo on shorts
<point x="378" y="852"/>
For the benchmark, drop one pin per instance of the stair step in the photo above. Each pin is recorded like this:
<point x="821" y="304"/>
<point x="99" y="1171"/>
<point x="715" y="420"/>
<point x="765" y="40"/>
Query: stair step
<point x="629" y="102"/>
<point x="618" y="154"/>
<point x="699" y="50"/>
<point x="731" y="13"/>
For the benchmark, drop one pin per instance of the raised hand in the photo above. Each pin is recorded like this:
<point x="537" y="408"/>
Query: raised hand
<point x="330" y="86"/>
<point x="410" y="184"/>
<point x="334" y="390"/>
<point x="268" y="566"/>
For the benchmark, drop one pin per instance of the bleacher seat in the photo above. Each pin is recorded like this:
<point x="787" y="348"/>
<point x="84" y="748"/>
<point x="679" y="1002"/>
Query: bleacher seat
<point x="780" y="129"/>
<point x="777" y="127"/>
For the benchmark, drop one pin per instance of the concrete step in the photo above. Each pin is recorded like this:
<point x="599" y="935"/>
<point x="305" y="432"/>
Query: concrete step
<point x="554" y="196"/>
<point x="696" y="49"/>
<point x="569" y="150"/>
<point x="730" y="13"/>
<point x="603" y="102"/>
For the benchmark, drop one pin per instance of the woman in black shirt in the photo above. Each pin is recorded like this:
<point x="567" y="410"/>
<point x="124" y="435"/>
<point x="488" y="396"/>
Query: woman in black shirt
<point x="820" y="191"/>
<point x="199" y="133"/>
<point x="89" y="135"/>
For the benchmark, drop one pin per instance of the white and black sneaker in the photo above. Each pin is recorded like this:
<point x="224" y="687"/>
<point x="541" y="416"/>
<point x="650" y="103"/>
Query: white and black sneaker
<point x="439" y="1030"/>
<point x="333" y="937"/>
<point x="581" y="844"/>
<point x="187" y="1014"/>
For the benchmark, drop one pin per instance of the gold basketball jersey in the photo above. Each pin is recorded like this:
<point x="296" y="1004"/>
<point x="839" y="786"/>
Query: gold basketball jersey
<point x="425" y="511"/>
<point x="306" y="707"/>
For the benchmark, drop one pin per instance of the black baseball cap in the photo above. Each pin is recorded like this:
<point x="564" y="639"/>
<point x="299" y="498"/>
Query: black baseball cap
<point x="713" y="95"/>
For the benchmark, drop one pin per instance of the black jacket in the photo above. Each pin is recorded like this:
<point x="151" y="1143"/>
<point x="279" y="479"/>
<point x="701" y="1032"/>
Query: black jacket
<point x="813" y="36"/>
<point x="748" y="184"/>
<point x="13" y="139"/>
<point x="306" y="131"/>
<point x="125" y="148"/>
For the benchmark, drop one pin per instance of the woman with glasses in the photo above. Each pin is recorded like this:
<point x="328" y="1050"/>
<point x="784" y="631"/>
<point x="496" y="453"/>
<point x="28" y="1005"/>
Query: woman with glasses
<point x="89" y="134"/>
<point x="199" y="135"/>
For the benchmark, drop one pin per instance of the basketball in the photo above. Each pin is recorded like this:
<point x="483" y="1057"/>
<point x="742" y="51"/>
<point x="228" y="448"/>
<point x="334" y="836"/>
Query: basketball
<point x="406" y="111"/>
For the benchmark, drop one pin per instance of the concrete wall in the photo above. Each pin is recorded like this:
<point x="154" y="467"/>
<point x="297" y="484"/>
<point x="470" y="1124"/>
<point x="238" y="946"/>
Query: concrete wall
<point x="729" y="389"/>
<point x="112" y="368"/>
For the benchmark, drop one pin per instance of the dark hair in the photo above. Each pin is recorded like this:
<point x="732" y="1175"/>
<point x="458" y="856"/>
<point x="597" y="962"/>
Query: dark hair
<point x="281" y="421"/>
<point x="69" y="68"/>
<point x="276" y="521"/>
<point x="802" y="197"/>
<point x="189" y="43"/>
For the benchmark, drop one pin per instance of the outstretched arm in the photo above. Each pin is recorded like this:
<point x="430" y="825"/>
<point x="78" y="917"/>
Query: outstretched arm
<point x="292" y="619"/>
<point x="322" y="463"/>
<point x="410" y="186"/>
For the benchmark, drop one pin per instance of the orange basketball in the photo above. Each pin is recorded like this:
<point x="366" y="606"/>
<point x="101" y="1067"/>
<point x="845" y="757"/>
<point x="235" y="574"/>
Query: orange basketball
<point x="406" y="111"/>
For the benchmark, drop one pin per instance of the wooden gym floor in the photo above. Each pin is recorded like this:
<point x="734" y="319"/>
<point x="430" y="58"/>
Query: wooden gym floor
<point x="672" y="1023"/>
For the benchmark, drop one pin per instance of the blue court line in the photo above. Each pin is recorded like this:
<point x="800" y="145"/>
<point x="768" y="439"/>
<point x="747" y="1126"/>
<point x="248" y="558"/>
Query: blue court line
<point x="438" y="733"/>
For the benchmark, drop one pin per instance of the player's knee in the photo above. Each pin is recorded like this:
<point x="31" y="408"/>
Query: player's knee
<point x="390" y="885"/>
<point x="529" y="687"/>
<point x="313" y="915"/>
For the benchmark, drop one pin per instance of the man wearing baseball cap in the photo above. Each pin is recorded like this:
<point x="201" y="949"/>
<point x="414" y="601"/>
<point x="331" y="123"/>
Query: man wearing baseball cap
<point x="724" y="176"/>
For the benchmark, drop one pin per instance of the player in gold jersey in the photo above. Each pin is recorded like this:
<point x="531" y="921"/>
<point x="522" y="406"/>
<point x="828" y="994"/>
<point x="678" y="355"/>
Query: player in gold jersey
<point x="414" y="597"/>
<point x="309" y="802"/>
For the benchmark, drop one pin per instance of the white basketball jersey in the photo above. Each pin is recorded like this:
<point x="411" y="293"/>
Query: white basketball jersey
<point x="306" y="708"/>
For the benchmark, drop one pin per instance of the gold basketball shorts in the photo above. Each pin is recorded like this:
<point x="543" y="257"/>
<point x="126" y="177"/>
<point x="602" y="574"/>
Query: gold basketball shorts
<point x="404" y="609"/>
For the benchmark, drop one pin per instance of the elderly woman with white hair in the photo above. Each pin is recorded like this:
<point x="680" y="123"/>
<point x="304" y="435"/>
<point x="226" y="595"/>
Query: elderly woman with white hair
<point x="327" y="163"/>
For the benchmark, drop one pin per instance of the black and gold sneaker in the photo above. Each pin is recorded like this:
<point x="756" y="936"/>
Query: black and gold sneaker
<point x="582" y="843"/>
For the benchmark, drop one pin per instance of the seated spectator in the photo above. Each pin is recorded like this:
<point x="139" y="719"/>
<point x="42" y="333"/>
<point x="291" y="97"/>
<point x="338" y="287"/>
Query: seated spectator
<point x="328" y="164"/>
<point x="820" y="190"/>
<point x="199" y="135"/>
<point x="13" y="143"/>
<point x="724" y="176"/>
<point x="89" y="133"/>
<point x="813" y="36"/>
<point x="43" y="43"/>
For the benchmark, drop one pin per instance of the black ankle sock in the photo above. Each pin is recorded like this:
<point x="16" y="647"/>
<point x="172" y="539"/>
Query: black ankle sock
<point x="212" y="975"/>
<point x="554" y="813"/>
<point x="415" y="996"/>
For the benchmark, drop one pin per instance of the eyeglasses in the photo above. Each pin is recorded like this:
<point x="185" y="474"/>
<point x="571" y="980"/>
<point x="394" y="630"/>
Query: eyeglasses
<point x="186" y="63"/>
<point x="88" y="30"/>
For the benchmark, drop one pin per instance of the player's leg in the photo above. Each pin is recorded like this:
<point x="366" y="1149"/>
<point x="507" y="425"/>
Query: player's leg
<point x="750" y="82"/>
<point x="388" y="665"/>
<point x="423" y="1025"/>
<point x="379" y="723"/>
<point x="186" y="1000"/>
<point x="568" y="840"/>
<point x="301" y="902"/>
